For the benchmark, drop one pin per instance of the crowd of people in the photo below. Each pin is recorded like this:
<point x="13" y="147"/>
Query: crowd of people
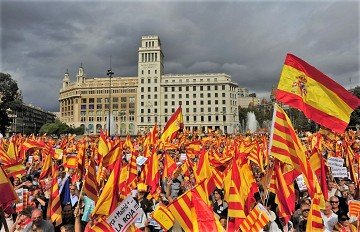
<point x="77" y="208"/>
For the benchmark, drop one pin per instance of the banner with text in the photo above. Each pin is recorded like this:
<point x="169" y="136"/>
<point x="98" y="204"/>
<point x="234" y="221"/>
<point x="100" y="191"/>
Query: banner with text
<point x="125" y="214"/>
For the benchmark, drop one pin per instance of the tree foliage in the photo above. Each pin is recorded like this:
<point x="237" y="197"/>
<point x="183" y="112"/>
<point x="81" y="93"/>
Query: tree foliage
<point x="355" y="116"/>
<point x="58" y="128"/>
<point x="9" y="99"/>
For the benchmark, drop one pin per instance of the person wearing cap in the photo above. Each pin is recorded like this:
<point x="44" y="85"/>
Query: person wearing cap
<point x="344" y="224"/>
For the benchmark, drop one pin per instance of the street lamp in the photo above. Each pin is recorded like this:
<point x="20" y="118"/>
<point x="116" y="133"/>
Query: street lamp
<point x="109" y="74"/>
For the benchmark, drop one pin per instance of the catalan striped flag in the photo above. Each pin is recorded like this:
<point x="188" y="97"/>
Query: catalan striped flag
<point x="317" y="164"/>
<point x="354" y="208"/>
<point x="46" y="169"/>
<point x="256" y="220"/>
<point x="232" y="185"/>
<point x="181" y="210"/>
<point x="286" y="147"/>
<point x="90" y="184"/>
<point x="164" y="217"/>
<point x="110" y="158"/>
<point x="54" y="201"/>
<point x="193" y="148"/>
<point x="103" y="148"/>
<point x="169" y="166"/>
<point x="320" y="98"/>
<point x="132" y="180"/>
<point x="203" y="169"/>
<point x="283" y="187"/>
<point x="153" y="175"/>
<point x="314" y="221"/>
<point x="109" y="197"/>
<point x="128" y="143"/>
<point x="172" y="127"/>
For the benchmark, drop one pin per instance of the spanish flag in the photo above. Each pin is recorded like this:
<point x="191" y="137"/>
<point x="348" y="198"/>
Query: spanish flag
<point x="164" y="217"/>
<point x="7" y="192"/>
<point x="172" y="127"/>
<point x="320" y="98"/>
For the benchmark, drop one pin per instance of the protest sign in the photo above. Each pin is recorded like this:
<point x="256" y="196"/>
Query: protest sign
<point x="301" y="183"/>
<point x="339" y="172"/>
<point x="334" y="162"/>
<point x="140" y="160"/>
<point x="125" y="214"/>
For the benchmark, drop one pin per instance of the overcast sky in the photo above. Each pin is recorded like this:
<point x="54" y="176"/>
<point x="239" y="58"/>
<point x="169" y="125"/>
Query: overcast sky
<point x="249" y="40"/>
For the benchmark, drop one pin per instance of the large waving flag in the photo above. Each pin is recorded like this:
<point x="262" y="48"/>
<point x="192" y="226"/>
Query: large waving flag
<point x="109" y="197"/>
<point x="320" y="98"/>
<point x="54" y="207"/>
<point x="172" y="127"/>
<point x="7" y="192"/>
<point x="90" y="184"/>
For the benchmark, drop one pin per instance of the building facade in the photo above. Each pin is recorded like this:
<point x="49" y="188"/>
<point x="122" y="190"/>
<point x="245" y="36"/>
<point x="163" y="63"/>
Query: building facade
<point x="28" y="120"/>
<point x="137" y="103"/>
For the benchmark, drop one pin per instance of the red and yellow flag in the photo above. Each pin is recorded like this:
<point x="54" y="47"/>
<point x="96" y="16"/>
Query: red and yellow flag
<point x="54" y="202"/>
<point x="7" y="192"/>
<point x="172" y="127"/>
<point x="256" y="220"/>
<point x="164" y="217"/>
<point x="90" y="183"/>
<point x="320" y="98"/>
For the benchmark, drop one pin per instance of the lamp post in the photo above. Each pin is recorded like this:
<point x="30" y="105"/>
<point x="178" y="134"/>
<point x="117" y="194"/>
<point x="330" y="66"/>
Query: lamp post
<point x="109" y="74"/>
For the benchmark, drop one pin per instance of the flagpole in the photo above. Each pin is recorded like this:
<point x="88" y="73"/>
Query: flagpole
<point x="3" y="219"/>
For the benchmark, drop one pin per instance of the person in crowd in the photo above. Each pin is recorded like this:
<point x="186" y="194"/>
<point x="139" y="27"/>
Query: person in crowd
<point x="332" y="188"/>
<point x="67" y="216"/>
<point x="220" y="207"/>
<point x="334" y="201"/>
<point x="38" y="223"/>
<point x="329" y="217"/>
<point x="73" y="197"/>
<point x="22" y="220"/>
<point x="344" y="224"/>
<point x="341" y="187"/>
<point x="300" y="222"/>
<point x="354" y="192"/>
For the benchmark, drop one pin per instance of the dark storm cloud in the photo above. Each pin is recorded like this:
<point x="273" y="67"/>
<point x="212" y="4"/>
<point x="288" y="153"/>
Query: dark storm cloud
<point x="248" y="40"/>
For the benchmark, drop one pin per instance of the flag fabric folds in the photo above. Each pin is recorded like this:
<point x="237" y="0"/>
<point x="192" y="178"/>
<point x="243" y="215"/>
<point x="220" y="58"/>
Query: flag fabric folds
<point x="256" y="220"/>
<point x="54" y="206"/>
<point x="90" y="184"/>
<point x="320" y="98"/>
<point x="172" y="127"/>
<point x="7" y="192"/>
<point x="164" y="217"/>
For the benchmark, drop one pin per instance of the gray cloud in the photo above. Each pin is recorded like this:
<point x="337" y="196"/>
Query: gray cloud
<point x="40" y="40"/>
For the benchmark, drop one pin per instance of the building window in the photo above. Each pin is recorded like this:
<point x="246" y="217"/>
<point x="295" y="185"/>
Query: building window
<point x="165" y="89"/>
<point x="201" y="88"/>
<point x="155" y="89"/>
<point x="194" y="88"/>
<point x="115" y="99"/>
<point x="166" y="111"/>
<point x="194" y="102"/>
<point x="173" y="89"/>
<point x="202" y="118"/>
<point x="223" y="87"/>
<point x="180" y="88"/>
<point x="224" y="102"/>
<point x="166" y="103"/>
<point x="98" y="106"/>
<point x="216" y="102"/>
<point x="223" y="94"/>
<point x="142" y="119"/>
<point x="209" y="95"/>
<point x="216" y="95"/>
<point x="131" y="105"/>
<point x="115" y="106"/>
<point x="149" y="80"/>
<point x="194" y="118"/>
<point x="216" y="87"/>
<point x="187" y="88"/>
<point x="83" y="107"/>
<point x="209" y="118"/>
<point x="142" y="81"/>
<point x="142" y="103"/>
<point x="149" y="89"/>
<point x="155" y="96"/>
<point x="148" y="73"/>
<point x="142" y="89"/>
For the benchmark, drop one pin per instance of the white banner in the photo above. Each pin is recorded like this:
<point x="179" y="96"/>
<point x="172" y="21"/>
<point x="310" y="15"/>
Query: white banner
<point x="334" y="162"/>
<point x="125" y="214"/>
<point x="301" y="183"/>
<point x="339" y="172"/>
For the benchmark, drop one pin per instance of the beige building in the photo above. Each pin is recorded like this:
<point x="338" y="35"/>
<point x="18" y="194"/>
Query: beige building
<point x="137" y="103"/>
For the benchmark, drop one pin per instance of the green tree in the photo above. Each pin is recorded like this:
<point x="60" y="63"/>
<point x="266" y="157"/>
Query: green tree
<point x="355" y="116"/>
<point x="59" y="128"/>
<point x="9" y="99"/>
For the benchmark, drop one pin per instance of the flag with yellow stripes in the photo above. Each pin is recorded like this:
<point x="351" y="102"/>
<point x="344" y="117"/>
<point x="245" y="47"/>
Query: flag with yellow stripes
<point x="354" y="208"/>
<point x="256" y="220"/>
